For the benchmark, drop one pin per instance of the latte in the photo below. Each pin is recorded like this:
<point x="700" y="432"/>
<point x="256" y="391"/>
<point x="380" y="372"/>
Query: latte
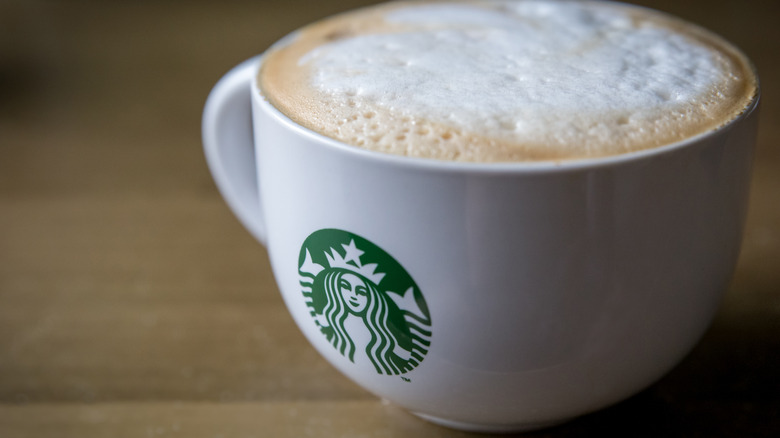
<point x="499" y="81"/>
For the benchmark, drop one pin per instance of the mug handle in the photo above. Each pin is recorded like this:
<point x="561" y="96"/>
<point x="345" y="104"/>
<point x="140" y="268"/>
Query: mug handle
<point x="229" y="146"/>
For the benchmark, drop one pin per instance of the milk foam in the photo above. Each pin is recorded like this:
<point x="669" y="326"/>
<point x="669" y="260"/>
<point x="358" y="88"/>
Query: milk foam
<point x="510" y="80"/>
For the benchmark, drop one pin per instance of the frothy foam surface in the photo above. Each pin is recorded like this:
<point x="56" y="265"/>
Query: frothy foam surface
<point x="507" y="80"/>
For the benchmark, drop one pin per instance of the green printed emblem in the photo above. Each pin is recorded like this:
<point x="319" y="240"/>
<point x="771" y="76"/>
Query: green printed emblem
<point x="364" y="302"/>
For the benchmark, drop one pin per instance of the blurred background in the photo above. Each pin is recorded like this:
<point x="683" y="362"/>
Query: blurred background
<point x="133" y="304"/>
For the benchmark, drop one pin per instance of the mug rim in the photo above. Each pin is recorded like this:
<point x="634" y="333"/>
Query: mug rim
<point x="503" y="167"/>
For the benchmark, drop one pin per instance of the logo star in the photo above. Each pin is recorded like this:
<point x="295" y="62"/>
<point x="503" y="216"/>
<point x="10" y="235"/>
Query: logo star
<point x="352" y="253"/>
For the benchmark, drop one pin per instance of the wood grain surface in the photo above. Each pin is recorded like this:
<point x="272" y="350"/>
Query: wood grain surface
<point x="133" y="304"/>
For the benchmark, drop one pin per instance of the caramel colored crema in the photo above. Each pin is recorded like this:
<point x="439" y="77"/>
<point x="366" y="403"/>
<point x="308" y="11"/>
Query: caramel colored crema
<point x="498" y="81"/>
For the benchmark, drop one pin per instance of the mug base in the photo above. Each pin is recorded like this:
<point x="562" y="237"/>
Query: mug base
<point x="488" y="428"/>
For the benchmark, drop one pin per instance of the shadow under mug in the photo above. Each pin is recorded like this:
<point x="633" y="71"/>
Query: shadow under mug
<point x="488" y="297"/>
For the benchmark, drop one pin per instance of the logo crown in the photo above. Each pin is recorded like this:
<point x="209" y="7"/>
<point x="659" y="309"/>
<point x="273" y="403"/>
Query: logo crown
<point x="351" y="262"/>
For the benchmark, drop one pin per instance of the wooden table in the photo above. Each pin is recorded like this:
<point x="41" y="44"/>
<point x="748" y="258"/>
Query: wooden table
<point x="133" y="304"/>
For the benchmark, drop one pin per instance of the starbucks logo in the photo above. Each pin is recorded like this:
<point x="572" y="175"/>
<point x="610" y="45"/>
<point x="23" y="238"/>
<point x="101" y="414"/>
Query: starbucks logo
<point x="364" y="302"/>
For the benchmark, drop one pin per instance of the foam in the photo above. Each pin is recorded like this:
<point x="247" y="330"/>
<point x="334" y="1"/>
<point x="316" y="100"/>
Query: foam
<point x="507" y="80"/>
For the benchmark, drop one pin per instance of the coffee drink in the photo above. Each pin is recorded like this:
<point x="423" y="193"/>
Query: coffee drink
<point x="498" y="81"/>
<point x="482" y="296"/>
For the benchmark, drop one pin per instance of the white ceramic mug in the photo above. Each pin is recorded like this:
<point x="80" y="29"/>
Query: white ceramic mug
<point x="490" y="297"/>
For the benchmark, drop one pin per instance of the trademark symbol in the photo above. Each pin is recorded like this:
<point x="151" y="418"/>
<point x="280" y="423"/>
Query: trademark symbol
<point x="349" y="282"/>
<point x="405" y="379"/>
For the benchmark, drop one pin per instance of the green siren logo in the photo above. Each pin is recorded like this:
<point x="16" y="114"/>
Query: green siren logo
<point x="364" y="302"/>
